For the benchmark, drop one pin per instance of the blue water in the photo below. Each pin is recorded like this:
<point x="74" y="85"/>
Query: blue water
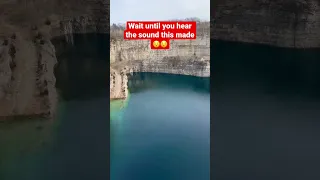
<point x="73" y="146"/>
<point x="164" y="133"/>
<point x="265" y="120"/>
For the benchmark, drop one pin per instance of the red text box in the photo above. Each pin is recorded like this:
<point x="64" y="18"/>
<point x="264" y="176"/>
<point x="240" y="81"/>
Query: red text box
<point x="160" y="30"/>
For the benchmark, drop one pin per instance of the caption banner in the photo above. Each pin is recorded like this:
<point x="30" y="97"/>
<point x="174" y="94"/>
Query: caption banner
<point x="161" y="32"/>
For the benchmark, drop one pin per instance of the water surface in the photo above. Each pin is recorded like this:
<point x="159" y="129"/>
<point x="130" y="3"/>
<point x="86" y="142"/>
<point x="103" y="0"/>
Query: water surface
<point x="164" y="132"/>
<point x="266" y="112"/>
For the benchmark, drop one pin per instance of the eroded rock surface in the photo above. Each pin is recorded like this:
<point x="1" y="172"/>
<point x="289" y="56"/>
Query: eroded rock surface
<point x="27" y="56"/>
<point x="27" y="81"/>
<point x="186" y="57"/>
<point x="118" y="85"/>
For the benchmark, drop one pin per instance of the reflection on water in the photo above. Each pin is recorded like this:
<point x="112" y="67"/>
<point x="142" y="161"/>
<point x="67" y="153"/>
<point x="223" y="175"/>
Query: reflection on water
<point x="143" y="81"/>
<point x="164" y="131"/>
<point x="23" y="144"/>
<point x="117" y="107"/>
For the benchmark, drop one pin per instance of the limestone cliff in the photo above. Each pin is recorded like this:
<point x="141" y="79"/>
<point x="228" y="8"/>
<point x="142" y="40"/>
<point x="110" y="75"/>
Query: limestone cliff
<point x="27" y="80"/>
<point x="118" y="85"/>
<point x="27" y="56"/>
<point x="186" y="57"/>
<point x="284" y="23"/>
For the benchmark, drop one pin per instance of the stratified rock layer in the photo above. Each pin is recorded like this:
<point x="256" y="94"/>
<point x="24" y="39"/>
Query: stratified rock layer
<point x="286" y="23"/>
<point x="186" y="57"/>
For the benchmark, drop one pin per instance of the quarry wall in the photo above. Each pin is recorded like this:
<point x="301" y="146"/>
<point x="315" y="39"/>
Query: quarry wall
<point x="28" y="57"/>
<point x="286" y="23"/>
<point x="185" y="57"/>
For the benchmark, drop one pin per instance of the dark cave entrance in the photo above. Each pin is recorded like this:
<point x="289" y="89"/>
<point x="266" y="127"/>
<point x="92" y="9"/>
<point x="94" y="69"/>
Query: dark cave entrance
<point x="82" y="70"/>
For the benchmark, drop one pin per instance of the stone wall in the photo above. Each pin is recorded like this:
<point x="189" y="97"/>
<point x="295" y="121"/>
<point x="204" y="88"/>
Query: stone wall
<point x="285" y="23"/>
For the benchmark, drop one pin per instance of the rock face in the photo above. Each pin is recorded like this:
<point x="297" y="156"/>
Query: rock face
<point x="27" y="83"/>
<point x="27" y="56"/>
<point x="118" y="85"/>
<point x="285" y="23"/>
<point x="186" y="57"/>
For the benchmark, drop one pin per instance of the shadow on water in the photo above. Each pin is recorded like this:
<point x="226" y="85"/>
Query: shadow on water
<point x="21" y="140"/>
<point x="266" y="121"/>
<point x="143" y="81"/>
<point x="75" y="144"/>
<point x="82" y="69"/>
<point x="279" y="71"/>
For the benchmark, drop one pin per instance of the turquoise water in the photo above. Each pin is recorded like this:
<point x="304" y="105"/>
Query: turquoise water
<point x="164" y="133"/>
<point x="72" y="146"/>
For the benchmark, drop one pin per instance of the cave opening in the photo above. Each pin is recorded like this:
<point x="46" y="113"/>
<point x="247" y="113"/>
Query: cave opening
<point x="83" y="66"/>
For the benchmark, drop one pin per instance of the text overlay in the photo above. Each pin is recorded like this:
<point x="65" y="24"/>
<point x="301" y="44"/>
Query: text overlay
<point x="161" y="32"/>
